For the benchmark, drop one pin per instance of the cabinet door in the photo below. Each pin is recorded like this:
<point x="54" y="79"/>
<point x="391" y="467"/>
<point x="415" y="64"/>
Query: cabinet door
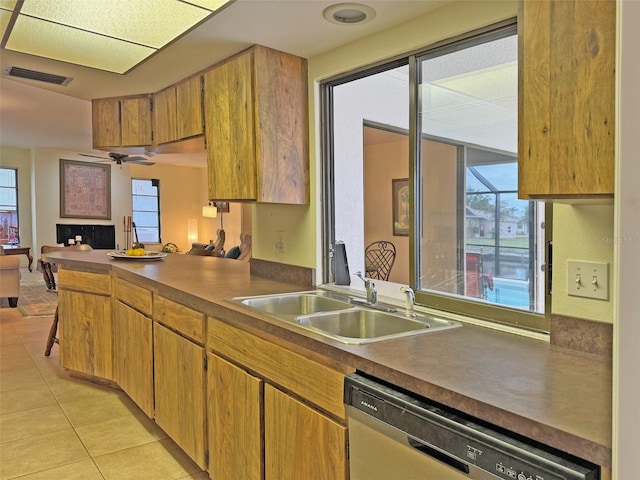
<point x="189" y="112"/>
<point x="133" y="355"/>
<point x="136" y="121"/>
<point x="567" y="99"/>
<point x="106" y="122"/>
<point x="85" y="333"/>
<point x="301" y="442"/>
<point x="235" y="412"/>
<point x="164" y="115"/>
<point x="230" y="132"/>
<point x="179" y="391"/>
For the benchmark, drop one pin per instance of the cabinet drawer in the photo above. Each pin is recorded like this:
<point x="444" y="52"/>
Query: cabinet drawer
<point x="99" y="283"/>
<point x="317" y="383"/>
<point x="136" y="297"/>
<point x="185" y="320"/>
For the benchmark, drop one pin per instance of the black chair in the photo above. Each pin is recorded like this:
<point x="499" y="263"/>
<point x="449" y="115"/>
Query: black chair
<point x="379" y="258"/>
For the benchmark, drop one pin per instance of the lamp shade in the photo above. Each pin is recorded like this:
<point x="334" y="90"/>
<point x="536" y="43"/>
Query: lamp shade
<point x="209" y="211"/>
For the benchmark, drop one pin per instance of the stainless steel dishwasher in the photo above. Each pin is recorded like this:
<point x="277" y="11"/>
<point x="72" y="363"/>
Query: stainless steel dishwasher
<point x="394" y="435"/>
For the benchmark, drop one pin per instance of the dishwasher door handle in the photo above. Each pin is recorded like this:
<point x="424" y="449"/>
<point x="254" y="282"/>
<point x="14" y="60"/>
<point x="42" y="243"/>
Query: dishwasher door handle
<point x="438" y="455"/>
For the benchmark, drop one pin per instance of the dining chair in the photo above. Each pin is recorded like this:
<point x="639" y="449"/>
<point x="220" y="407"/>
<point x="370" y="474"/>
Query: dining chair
<point x="379" y="258"/>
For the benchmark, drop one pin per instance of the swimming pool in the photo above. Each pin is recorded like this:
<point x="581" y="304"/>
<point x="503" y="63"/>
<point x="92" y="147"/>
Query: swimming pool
<point x="511" y="293"/>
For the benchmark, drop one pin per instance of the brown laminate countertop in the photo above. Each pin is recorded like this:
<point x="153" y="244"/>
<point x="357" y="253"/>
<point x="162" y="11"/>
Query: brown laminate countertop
<point x="556" y="396"/>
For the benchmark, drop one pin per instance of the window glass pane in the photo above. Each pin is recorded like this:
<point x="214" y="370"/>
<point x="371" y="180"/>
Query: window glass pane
<point x="7" y="177"/>
<point x="478" y="240"/>
<point x="149" y="204"/>
<point x="9" y="231"/>
<point x="8" y="197"/>
<point x="146" y="211"/>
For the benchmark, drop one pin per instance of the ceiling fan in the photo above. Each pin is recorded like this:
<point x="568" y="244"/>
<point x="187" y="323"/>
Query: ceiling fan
<point x="121" y="158"/>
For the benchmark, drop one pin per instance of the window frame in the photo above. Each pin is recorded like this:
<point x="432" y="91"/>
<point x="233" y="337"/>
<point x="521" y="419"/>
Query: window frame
<point x="157" y="185"/>
<point x="17" y="204"/>
<point x="455" y="304"/>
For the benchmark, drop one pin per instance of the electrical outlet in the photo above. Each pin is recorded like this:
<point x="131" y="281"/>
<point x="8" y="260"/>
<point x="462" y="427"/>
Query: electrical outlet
<point x="588" y="279"/>
<point x="280" y="244"/>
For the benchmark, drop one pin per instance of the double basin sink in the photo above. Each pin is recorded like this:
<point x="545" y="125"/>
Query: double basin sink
<point x="337" y="317"/>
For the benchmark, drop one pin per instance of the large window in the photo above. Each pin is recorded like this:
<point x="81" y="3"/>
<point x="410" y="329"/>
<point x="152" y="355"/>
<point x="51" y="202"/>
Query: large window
<point x="445" y="122"/>
<point x="9" y="232"/>
<point x="146" y="209"/>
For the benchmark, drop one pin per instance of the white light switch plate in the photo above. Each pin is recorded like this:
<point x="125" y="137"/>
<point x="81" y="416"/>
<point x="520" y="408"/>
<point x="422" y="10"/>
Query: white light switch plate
<point x="588" y="279"/>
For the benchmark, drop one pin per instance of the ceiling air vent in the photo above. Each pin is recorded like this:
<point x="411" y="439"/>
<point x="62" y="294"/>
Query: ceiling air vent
<point x="12" y="71"/>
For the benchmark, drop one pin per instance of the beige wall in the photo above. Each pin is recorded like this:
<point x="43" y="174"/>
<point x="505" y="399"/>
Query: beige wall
<point x="384" y="162"/>
<point x="183" y="192"/>
<point x="582" y="232"/>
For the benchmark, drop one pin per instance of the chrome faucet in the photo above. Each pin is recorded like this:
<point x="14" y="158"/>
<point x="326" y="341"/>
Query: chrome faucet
<point x="370" y="287"/>
<point x="410" y="300"/>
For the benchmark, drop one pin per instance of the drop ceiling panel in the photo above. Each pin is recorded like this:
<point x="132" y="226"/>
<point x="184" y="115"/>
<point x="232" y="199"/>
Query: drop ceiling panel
<point x="147" y="22"/>
<point x="45" y="39"/>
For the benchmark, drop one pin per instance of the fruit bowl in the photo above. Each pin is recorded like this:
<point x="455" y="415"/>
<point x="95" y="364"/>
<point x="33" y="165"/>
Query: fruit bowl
<point x="148" y="255"/>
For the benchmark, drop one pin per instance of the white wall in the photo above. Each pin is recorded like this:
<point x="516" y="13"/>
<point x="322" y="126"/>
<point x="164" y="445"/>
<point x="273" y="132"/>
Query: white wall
<point x="626" y="384"/>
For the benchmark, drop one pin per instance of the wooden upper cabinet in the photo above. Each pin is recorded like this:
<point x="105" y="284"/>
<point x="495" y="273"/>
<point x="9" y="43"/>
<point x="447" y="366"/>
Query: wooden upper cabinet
<point x="177" y="111"/>
<point x="164" y="108"/>
<point x="257" y="128"/>
<point x="189" y="120"/>
<point x="106" y="122"/>
<point x="566" y="99"/>
<point x="122" y="122"/>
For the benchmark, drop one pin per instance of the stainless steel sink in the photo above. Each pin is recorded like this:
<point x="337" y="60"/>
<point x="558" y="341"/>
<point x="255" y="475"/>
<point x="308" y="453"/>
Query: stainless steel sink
<point x="362" y="325"/>
<point x="291" y="305"/>
<point x="333" y="316"/>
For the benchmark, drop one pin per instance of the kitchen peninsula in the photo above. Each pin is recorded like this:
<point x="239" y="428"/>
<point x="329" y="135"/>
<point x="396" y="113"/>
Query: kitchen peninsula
<point x="147" y="326"/>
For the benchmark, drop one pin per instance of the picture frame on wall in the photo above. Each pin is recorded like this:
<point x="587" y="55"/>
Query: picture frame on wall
<point x="85" y="190"/>
<point x="400" y="205"/>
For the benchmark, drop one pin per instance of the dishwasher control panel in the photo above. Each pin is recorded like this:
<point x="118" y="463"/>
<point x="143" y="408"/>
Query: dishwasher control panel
<point x="466" y="444"/>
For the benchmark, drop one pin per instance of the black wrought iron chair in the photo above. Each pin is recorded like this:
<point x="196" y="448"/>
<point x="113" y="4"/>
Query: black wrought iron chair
<point x="379" y="258"/>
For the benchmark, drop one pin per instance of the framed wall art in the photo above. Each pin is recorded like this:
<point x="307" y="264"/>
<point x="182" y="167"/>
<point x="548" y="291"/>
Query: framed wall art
<point x="85" y="190"/>
<point x="400" y="202"/>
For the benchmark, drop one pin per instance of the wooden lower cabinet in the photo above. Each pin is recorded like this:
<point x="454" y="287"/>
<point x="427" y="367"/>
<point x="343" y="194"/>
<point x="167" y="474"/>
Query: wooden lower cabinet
<point x="86" y="327"/>
<point x="235" y="421"/>
<point x="258" y="432"/>
<point x="133" y="355"/>
<point x="300" y="442"/>
<point x="180" y="391"/>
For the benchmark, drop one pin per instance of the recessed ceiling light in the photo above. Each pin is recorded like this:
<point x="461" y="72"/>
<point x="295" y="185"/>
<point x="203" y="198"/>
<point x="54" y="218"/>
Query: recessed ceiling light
<point x="349" y="13"/>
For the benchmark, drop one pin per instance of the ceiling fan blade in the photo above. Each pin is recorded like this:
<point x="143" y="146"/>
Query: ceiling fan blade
<point x="121" y="158"/>
<point x="94" y="156"/>
<point x="138" y="162"/>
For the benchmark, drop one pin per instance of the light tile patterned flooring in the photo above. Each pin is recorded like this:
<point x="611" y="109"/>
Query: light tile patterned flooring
<point x="56" y="427"/>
